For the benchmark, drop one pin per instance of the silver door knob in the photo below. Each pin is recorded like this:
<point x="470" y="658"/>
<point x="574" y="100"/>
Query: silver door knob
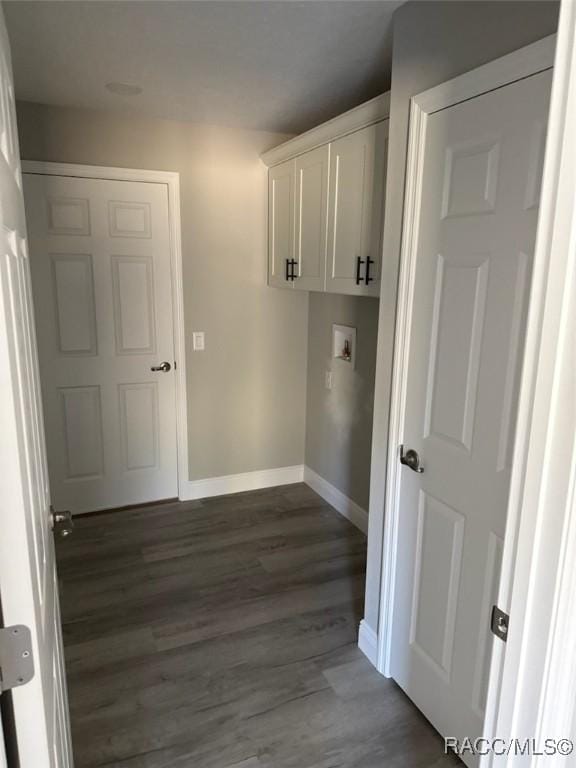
<point x="164" y="367"/>
<point x="411" y="459"/>
<point x="61" y="523"/>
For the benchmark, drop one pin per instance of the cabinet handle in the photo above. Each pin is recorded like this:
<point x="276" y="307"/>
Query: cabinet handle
<point x="287" y="276"/>
<point x="293" y="263"/>
<point x="359" y="263"/>
<point x="368" y="279"/>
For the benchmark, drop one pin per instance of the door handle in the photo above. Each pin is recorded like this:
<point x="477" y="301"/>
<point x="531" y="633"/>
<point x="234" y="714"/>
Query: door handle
<point x="164" y="367"/>
<point x="359" y="263"/>
<point x="61" y="523"/>
<point x="411" y="459"/>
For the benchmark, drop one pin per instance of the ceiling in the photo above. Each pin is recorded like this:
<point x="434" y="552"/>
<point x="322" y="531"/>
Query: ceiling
<point x="278" y="66"/>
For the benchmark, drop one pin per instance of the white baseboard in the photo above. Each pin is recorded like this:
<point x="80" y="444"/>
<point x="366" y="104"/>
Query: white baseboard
<point x="368" y="642"/>
<point x="247" y="481"/>
<point x="348" y="508"/>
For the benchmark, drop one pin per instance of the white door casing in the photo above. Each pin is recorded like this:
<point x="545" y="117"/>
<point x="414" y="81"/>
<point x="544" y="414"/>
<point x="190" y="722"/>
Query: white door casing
<point x="356" y="209"/>
<point x="477" y="199"/>
<point x="28" y="582"/>
<point x="100" y="252"/>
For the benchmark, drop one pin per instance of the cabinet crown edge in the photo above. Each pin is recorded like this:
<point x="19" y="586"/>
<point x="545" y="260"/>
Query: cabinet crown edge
<point x="354" y="119"/>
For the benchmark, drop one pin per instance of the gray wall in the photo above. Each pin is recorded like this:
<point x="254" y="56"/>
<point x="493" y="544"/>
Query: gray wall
<point x="433" y="42"/>
<point x="255" y="358"/>
<point x="339" y="421"/>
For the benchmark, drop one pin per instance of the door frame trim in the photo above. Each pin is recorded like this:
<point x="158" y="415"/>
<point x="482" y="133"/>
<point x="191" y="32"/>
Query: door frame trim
<point x="172" y="181"/>
<point x="518" y="65"/>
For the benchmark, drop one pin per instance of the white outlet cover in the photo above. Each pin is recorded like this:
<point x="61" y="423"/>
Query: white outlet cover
<point x="328" y="379"/>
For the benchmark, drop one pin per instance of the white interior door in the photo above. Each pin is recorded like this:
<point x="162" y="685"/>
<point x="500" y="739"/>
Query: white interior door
<point x="28" y="584"/>
<point x="482" y="163"/>
<point x="100" y="256"/>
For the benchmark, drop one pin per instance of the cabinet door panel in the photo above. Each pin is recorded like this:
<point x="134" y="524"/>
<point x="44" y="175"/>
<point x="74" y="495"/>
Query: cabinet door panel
<point x="280" y="222"/>
<point x="311" y="218"/>
<point x="357" y="175"/>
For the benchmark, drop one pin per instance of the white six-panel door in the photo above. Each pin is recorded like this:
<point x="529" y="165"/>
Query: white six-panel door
<point x="28" y="583"/>
<point x="478" y="206"/>
<point x="100" y="256"/>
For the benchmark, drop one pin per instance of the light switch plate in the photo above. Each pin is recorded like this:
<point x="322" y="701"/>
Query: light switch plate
<point x="198" y="341"/>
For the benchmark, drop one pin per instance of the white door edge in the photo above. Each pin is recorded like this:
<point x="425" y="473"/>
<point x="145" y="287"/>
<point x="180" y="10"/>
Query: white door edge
<point x="172" y="181"/>
<point x="518" y="65"/>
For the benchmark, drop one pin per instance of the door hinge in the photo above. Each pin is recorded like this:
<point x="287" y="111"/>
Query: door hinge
<point x="499" y="623"/>
<point x="16" y="662"/>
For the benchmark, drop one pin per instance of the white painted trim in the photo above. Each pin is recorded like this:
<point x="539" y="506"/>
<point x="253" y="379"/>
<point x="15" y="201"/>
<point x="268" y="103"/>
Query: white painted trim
<point x="368" y="642"/>
<point x="99" y="172"/>
<point x="246" y="481"/>
<point x="172" y="180"/>
<point x="341" y="503"/>
<point x="370" y="112"/>
<point x="398" y="398"/>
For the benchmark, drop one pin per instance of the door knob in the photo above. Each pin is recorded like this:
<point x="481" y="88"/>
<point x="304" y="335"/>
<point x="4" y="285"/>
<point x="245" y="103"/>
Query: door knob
<point x="164" y="367"/>
<point x="411" y="459"/>
<point x="61" y="523"/>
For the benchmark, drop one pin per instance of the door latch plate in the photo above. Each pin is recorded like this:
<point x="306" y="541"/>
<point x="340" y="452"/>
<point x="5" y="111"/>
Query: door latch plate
<point x="499" y="623"/>
<point x="16" y="662"/>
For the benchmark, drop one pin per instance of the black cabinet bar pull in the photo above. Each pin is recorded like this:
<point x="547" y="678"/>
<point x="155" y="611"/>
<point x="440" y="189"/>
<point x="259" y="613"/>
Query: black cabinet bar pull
<point x="359" y="263"/>
<point x="293" y="263"/>
<point x="287" y="269"/>
<point x="368" y="278"/>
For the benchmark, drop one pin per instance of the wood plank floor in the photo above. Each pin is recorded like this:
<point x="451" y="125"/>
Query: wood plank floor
<point x="222" y="634"/>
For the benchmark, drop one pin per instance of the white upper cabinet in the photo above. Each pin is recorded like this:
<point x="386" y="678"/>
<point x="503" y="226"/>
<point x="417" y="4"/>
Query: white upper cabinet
<point x="281" y="224"/>
<point x="326" y="204"/>
<point x="357" y="170"/>
<point x="311" y="218"/>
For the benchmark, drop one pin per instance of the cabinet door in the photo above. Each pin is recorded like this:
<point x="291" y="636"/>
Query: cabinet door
<point x="280" y="223"/>
<point x="357" y="183"/>
<point x="311" y="218"/>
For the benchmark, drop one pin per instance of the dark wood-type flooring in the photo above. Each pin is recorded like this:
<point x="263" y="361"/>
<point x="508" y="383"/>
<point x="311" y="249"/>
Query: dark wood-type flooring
<point x="222" y="634"/>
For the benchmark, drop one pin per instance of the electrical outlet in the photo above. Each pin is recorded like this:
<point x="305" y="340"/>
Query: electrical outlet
<point x="198" y="341"/>
<point x="328" y="379"/>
